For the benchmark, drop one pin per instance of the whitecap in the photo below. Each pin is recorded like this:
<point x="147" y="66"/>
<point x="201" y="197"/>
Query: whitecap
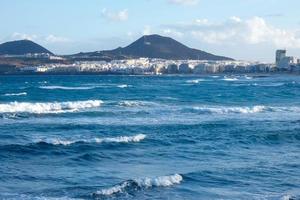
<point x="230" y="79"/>
<point x="137" y="184"/>
<point x="122" y="86"/>
<point x="67" y="142"/>
<point x="196" y="81"/>
<point x="271" y="84"/>
<point x="56" y="87"/>
<point x="226" y="110"/>
<point x="15" y="94"/>
<point x="51" y="107"/>
<point x="287" y="197"/>
<point x="131" y="103"/>
<point x="248" y="77"/>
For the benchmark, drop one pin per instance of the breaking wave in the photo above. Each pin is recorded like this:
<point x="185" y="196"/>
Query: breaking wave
<point x="196" y="81"/>
<point x="120" y="139"/>
<point x="244" y="110"/>
<point x="47" y="108"/>
<point x="55" y="87"/>
<point x="134" y="103"/>
<point x="139" y="184"/>
<point x="122" y="86"/>
<point x="230" y="79"/>
<point x="16" y="94"/>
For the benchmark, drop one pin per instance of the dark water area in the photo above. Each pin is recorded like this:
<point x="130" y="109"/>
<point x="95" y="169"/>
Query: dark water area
<point x="150" y="137"/>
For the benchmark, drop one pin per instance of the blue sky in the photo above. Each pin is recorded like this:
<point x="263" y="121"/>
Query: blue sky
<point x="242" y="29"/>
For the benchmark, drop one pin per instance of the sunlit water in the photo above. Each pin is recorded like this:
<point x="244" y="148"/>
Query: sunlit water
<point x="143" y="137"/>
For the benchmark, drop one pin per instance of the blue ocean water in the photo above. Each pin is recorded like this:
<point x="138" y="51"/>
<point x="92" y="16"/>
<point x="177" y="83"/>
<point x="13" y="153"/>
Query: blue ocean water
<point x="150" y="137"/>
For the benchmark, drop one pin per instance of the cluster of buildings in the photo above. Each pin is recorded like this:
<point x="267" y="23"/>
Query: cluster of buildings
<point x="283" y="63"/>
<point x="287" y="63"/>
<point x="153" y="66"/>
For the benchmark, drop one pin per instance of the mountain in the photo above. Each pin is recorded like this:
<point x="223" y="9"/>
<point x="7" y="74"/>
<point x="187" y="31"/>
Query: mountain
<point x="156" y="46"/>
<point x="21" y="47"/>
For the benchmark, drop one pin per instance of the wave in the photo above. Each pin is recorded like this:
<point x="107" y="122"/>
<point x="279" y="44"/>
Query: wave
<point x="48" y="108"/>
<point x="120" y="139"/>
<point x="139" y="184"/>
<point x="16" y="94"/>
<point x="196" y="81"/>
<point x="245" y="109"/>
<point x="230" y="79"/>
<point x="133" y="103"/>
<point x="55" y="87"/>
<point x="123" y="86"/>
<point x="270" y="84"/>
<point x="288" y="197"/>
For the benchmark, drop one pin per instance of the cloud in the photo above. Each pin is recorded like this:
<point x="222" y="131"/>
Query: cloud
<point x="184" y="2"/>
<point x="237" y="31"/>
<point x="56" y="39"/>
<point x="172" y="32"/>
<point x="23" y="36"/>
<point x="38" y="38"/>
<point x="115" y="16"/>
<point x="147" y="30"/>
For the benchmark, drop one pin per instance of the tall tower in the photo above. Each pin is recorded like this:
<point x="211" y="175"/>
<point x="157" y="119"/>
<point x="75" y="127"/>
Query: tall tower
<point x="280" y="54"/>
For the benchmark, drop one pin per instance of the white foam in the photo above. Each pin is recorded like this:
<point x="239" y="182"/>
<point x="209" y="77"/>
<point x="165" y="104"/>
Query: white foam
<point x="120" y="139"/>
<point x="163" y="181"/>
<point x="56" y="87"/>
<point x="230" y="79"/>
<point x="16" y="94"/>
<point x="52" y="107"/>
<point x="287" y="197"/>
<point x="196" y="81"/>
<point x="226" y="110"/>
<point x="131" y="103"/>
<point x="114" y="190"/>
<point x="122" y="86"/>
<point x="271" y="84"/>
<point x="248" y="77"/>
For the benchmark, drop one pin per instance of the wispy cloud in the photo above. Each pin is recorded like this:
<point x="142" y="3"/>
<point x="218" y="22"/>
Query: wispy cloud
<point x="184" y="2"/>
<point x="38" y="38"/>
<point x="115" y="16"/>
<point x="56" y="39"/>
<point x="23" y="36"/>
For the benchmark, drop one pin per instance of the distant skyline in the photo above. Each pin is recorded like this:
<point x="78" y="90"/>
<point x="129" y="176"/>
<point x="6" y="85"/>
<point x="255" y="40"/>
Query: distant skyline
<point x="241" y="29"/>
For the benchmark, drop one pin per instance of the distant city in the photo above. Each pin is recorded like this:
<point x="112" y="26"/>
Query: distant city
<point x="145" y="56"/>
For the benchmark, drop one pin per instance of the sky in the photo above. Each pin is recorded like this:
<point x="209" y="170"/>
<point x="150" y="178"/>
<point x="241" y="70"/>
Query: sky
<point x="241" y="29"/>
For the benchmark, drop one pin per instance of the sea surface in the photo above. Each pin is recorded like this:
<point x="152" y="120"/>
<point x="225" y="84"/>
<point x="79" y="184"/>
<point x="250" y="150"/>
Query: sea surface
<point x="150" y="137"/>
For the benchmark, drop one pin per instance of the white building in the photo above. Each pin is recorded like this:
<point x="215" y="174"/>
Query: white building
<point x="283" y="61"/>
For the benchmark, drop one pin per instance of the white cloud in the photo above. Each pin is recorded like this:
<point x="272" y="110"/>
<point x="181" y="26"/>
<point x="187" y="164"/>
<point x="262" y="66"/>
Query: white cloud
<point x="39" y="38"/>
<point x="147" y="30"/>
<point x="184" y="2"/>
<point x="172" y="32"/>
<point x="23" y="36"/>
<point x="56" y="39"/>
<point x="237" y="31"/>
<point x="115" y="16"/>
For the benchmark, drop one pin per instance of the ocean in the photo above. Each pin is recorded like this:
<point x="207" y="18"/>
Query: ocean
<point x="150" y="137"/>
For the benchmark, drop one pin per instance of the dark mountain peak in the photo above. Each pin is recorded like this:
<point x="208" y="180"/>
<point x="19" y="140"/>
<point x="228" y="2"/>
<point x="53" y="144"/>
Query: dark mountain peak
<point x="157" y="46"/>
<point x="21" y="47"/>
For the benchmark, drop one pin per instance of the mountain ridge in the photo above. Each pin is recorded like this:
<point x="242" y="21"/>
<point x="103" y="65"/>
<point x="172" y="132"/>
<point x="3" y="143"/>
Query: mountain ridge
<point x="157" y="46"/>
